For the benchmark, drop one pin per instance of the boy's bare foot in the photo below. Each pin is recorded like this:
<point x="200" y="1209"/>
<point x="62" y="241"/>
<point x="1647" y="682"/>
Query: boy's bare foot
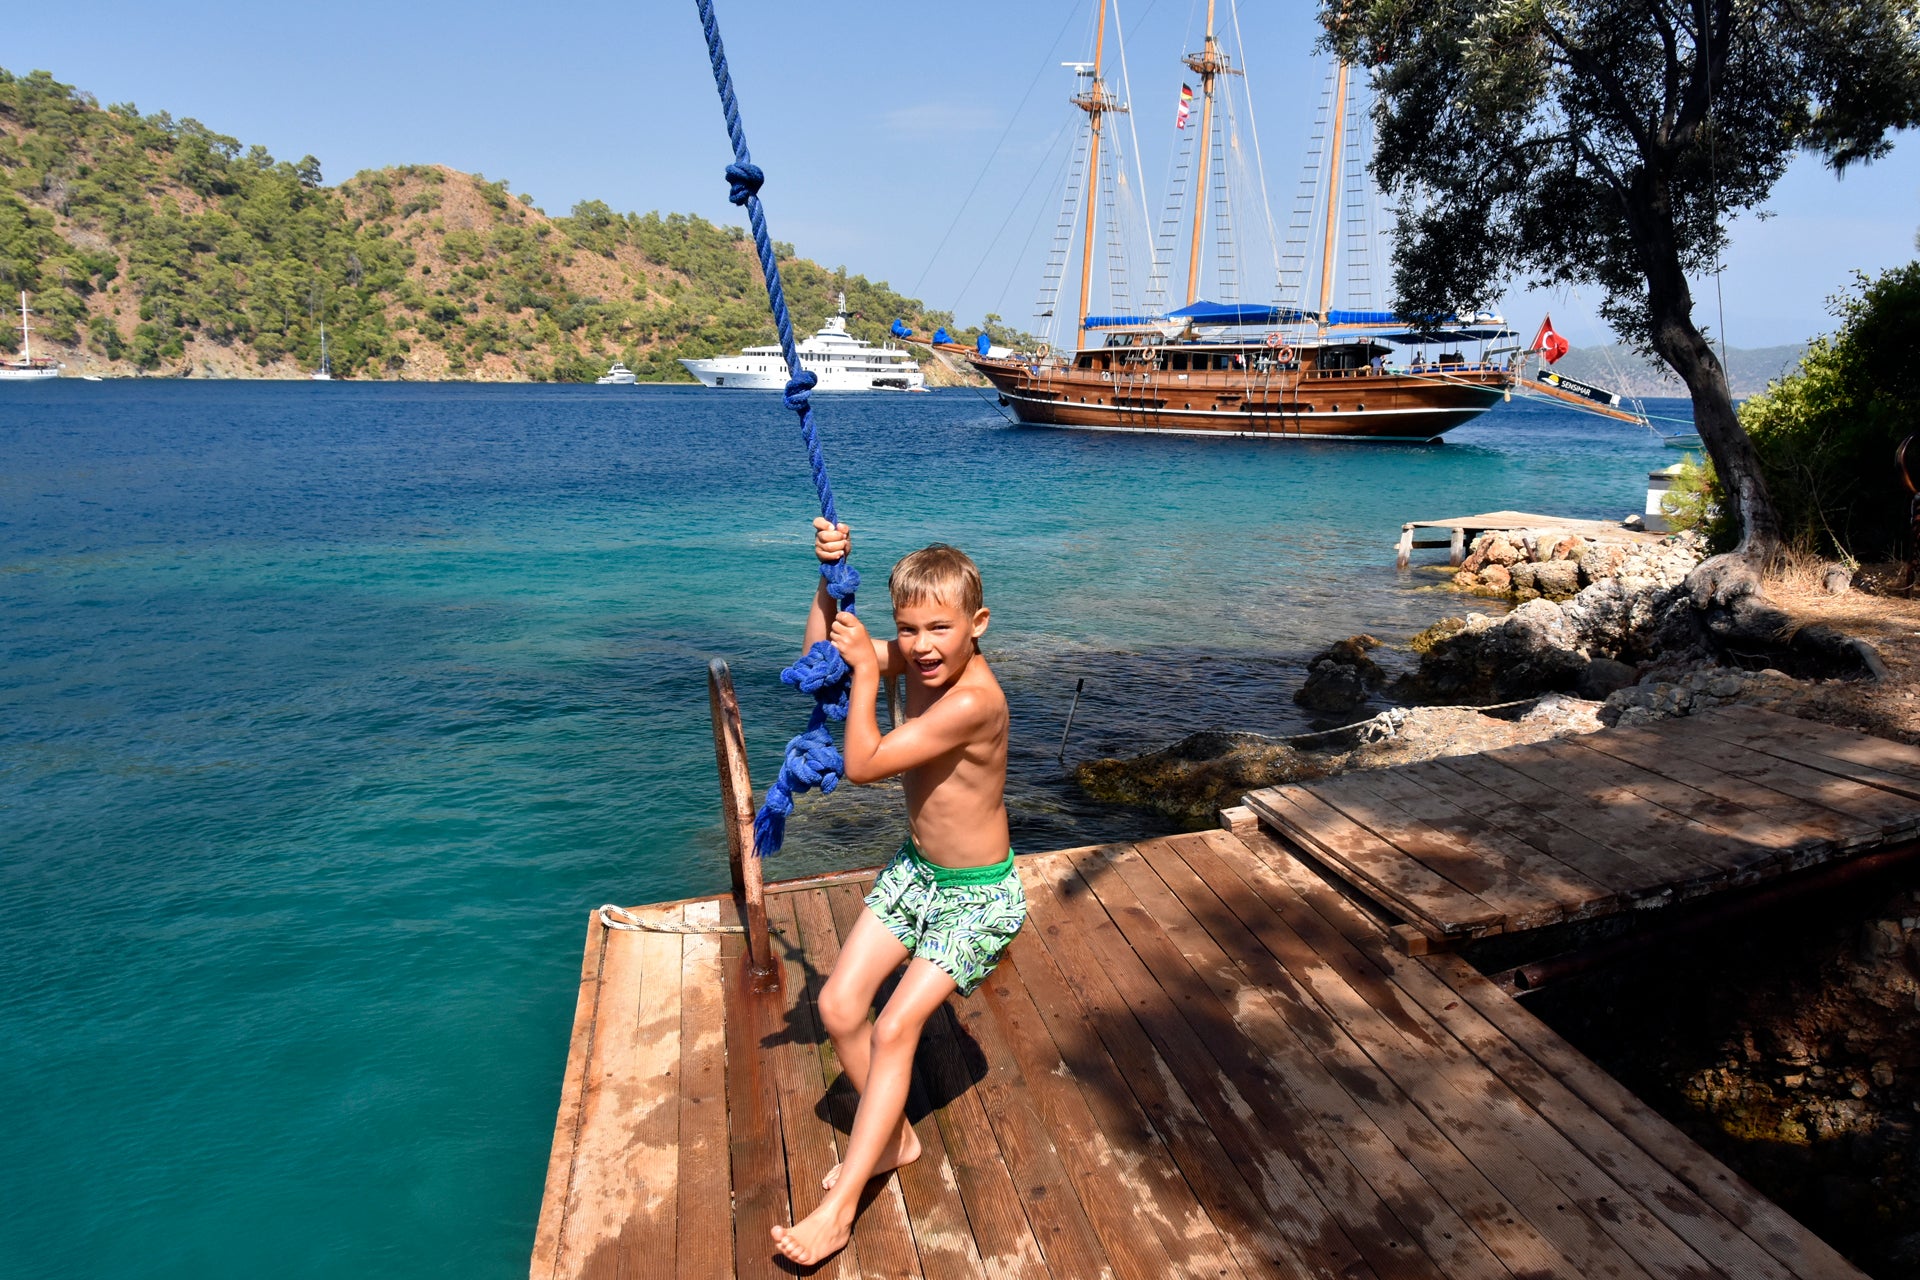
<point x="816" y="1237"/>
<point x="904" y="1149"/>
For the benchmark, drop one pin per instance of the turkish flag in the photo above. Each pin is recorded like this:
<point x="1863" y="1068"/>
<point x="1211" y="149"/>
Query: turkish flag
<point x="1548" y="343"/>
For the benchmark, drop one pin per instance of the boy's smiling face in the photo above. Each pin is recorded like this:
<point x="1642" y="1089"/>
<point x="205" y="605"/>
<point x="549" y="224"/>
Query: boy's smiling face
<point x="938" y="638"/>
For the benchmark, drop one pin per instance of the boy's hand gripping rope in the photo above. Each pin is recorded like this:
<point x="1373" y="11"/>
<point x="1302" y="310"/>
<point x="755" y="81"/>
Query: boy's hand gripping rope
<point x="812" y="759"/>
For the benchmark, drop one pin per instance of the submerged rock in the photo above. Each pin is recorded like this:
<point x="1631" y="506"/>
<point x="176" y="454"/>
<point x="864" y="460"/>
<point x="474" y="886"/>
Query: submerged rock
<point x="1341" y="676"/>
<point x="1198" y="775"/>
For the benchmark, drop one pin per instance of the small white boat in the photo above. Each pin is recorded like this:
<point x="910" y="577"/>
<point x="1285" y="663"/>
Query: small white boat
<point x="618" y="376"/>
<point x="27" y="368"/>
<point x="325" y="372"/>
<point x="839" y="360"/>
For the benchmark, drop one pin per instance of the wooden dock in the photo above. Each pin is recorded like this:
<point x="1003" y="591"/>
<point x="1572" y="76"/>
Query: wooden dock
<point x="1530" y="836"/>
<point x="1461" y="530"/>
<point x="1201" y="1057"/>
<point x="1197" y="1059"/>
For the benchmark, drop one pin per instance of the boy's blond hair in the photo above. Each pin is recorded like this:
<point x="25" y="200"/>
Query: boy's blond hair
<point x="939" y="573"/>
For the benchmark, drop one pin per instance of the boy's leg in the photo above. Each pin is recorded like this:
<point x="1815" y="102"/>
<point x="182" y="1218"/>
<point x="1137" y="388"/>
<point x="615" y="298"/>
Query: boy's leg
<point x="871" y="953"/>
<point x="883" y="1105"/>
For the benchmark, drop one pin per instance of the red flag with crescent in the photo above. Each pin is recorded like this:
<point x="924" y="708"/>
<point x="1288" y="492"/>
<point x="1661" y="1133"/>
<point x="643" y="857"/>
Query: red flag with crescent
<point x="1550" y="344"/>
<point x="1186" y="106"/>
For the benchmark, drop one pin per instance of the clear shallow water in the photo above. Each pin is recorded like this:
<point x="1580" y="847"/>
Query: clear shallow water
<point x="331" y="710"/>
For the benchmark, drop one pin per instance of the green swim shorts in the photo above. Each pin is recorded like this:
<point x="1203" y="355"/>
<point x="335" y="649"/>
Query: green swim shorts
<point x="958" y="918"/>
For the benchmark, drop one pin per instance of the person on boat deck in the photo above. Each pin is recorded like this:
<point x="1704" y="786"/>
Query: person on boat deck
<point x="950" y="901"/>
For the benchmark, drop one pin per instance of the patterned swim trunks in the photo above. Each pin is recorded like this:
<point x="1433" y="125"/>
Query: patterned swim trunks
<point x="958" y="918"/>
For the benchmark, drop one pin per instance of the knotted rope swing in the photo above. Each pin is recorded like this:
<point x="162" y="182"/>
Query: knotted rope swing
<point x="812" y="759"/>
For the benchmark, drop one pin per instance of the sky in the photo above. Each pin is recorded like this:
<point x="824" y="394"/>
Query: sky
<point x="919" y="145"/>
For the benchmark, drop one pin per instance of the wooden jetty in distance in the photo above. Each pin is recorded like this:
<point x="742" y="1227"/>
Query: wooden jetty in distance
<point x="1202" y="1056"/>
<point x="1460" y="531"/>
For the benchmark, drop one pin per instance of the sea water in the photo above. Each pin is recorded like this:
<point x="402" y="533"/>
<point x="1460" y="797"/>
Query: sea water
<point x="331" y="710"/>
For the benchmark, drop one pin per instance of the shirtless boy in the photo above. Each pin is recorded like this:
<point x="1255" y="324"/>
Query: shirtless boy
<point x="950" y="899"/>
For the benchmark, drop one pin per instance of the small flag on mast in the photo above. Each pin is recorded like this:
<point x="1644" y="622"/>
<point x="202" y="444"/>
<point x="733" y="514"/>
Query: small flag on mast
<point x="1186" y="106"/>
<point x="1548" y="343"/>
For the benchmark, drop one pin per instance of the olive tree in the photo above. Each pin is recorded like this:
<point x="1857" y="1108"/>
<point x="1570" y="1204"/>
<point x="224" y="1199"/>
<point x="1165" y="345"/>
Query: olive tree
<point x="1606" y="143"/>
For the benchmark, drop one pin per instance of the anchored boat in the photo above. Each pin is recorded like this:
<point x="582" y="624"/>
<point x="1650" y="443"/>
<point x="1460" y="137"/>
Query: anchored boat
<point x="1226" y="367"/>
<point x="839" y="360"/>
<point x="28" y="367"/>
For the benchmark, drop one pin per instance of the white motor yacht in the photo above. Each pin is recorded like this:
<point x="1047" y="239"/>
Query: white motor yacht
<point x="839" y="360"/>
<point x="26" y="368"/>
<point x="618" y="376"/>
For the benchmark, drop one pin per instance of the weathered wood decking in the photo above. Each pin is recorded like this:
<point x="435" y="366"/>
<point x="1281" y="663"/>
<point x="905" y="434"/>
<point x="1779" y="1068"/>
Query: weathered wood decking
<point x="1529" y="836"/>
<point x="1197" y="1059"/>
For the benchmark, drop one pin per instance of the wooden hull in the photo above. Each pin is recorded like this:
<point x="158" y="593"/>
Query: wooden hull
<point x="1349" y="404"/>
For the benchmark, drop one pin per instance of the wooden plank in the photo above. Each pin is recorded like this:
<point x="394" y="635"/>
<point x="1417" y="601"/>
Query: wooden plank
<point x="1422" y="896"/>
<point x="1290" y="1029"/>
<point x="1530" y="891"/>
<point x="1774" y="795"/>
<point x="566" y="1130"/>
<point x="1884" y="813"/>
<point x="1630" y="803"/>
<point x="1659" y="1145"/>
<point x="966" y="1216"/>
<point x="755" y="1157"/>
<point x="1097" y="1033"/>
<point x="1518" y="1160"/>
<point x="1764" y="1222"/>
<point x="794" y="1060"/>
<point x="1844" y="745"/>
<point x="625" y="1174"/>
<point x="881" y="1231"/>
<point x="1323" y="1206"/>
<point x="1089" y="1231"/>
<point x="1496" y="796"/>
<point x="705" y="1245"/>
<point x="1815" y="750"/>
<point x="1306" y="1239"/>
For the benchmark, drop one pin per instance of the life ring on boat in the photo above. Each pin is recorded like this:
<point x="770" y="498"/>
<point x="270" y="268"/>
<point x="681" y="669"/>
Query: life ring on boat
<point x="1283" y="355"/>
<point x="1044" y="350"/>
<point x="1276" y="339"/>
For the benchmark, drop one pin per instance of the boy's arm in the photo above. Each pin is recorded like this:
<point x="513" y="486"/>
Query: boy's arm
<point x="963" y="716"/>
<point x="830" y="543"/>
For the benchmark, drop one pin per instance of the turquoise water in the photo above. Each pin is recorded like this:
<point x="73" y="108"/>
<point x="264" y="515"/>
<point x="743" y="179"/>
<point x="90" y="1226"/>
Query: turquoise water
<point x="331" y="711"/>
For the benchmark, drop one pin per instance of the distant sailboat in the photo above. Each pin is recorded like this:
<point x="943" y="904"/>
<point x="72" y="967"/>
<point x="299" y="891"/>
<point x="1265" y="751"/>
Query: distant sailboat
<point x="325" y="372"/>
<point x="26" y="368"/>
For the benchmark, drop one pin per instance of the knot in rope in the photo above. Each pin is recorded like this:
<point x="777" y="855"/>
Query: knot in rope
<point x="823" y="673"/>
<point x="843" y="580"/>
<point x="799" y="394"/>
<point x="745" y="180"/>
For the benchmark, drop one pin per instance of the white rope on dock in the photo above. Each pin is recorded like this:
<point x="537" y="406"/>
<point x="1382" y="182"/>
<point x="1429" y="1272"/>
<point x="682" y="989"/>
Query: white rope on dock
<point x="614" y="917"/>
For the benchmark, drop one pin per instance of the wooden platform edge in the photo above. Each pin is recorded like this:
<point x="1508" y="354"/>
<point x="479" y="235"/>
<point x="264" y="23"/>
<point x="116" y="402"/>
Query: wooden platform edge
<point x="550" y="1234"/>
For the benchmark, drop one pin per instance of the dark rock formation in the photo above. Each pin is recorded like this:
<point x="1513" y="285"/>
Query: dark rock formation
<point x="1197" y="775"/>
<point x="1341" y="676"/>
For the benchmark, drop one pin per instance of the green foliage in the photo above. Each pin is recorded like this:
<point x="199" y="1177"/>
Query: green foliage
<point x="215" y="242"/>
<point x="1694" y="502"/>
<point x="1605" y="142"/>
<point x="1826" y="434"/>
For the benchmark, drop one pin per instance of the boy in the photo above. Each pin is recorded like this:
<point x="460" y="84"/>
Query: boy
<point x="950" y="899"/>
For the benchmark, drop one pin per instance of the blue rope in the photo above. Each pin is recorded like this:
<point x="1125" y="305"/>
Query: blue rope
<point x="812" y="759"/>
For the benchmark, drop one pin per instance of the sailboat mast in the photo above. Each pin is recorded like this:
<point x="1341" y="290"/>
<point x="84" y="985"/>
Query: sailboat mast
<point x="1333" y="192"/>
<point x="1206" y="64"/>
<point x="1095" y="103"/>
<point x="26" y="331"/>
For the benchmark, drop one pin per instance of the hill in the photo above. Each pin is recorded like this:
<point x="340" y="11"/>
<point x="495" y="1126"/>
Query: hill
<point x="158" y="246"/>
<point x="1618" y="368"/>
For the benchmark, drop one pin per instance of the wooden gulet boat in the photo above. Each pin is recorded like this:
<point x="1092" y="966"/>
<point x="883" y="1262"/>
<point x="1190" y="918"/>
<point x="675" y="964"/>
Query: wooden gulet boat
<point x="1279" y="370"/>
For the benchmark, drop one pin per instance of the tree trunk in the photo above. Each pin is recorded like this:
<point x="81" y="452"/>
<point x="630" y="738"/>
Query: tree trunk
<point x="1734" y="459"/>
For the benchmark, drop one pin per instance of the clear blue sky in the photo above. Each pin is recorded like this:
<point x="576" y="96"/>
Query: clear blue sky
<point x="873" y="121"/>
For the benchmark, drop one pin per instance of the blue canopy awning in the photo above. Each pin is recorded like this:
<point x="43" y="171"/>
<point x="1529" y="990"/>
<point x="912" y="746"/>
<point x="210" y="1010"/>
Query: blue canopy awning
<point x="1234" y="313"/>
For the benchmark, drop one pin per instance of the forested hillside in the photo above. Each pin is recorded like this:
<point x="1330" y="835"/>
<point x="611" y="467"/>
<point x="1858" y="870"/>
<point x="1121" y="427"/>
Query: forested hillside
<point x="156" y="245"/>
